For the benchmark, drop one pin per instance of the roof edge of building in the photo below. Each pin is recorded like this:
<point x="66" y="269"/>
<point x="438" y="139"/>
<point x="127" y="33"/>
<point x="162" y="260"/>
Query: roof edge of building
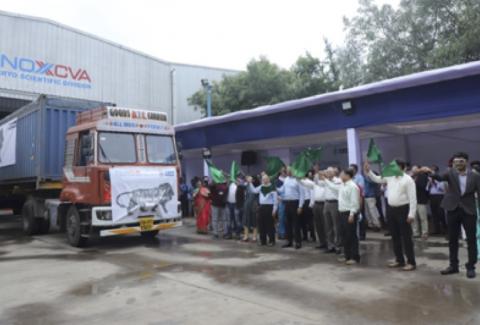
<point x="101" y="39"/>
<point x="383" y="86"/>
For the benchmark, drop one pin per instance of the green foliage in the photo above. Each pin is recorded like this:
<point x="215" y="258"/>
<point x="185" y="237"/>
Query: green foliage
<point x="265" y="83"/>
<point x="381" y="42"/>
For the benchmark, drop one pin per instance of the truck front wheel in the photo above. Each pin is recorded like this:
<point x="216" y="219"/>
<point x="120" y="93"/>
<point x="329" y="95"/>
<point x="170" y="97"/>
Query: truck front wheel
<point x="30" y="223"/>
<point x="74" y="230"/>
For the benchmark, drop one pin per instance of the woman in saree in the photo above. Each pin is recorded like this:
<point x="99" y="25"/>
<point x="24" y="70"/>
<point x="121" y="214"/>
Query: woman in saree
<point x="201" y="199"/>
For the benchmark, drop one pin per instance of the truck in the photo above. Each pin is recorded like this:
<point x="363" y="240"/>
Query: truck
<point x="89" y="168"/>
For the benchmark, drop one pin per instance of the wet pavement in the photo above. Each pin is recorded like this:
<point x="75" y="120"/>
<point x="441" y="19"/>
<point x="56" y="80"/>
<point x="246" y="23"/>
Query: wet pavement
<point x="185" y="278"/>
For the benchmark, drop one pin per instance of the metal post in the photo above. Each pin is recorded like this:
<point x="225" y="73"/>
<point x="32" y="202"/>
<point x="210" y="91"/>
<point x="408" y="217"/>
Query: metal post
<point x="206" y="171"/>
<point x="209" y="100"/>
<point x="354" y="151"/>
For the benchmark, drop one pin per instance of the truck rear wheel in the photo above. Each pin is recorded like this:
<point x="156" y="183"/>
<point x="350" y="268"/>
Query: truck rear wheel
<point x="30" y="223"/>
<point x="43" y="226"/>
<point x="74" y="229"/>
<point x="149" y="235"/>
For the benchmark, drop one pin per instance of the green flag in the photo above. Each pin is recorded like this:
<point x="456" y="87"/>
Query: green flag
<point x="392" y="169"/>
<point x="313" y="154"/>
<point x="234" y="170"/>
<point x="304" y="161"/>
<point x="301" y="165"/>
<point x="274" y="166"/>
<point x="215" y="173"/>
<point x="374" y="155"/>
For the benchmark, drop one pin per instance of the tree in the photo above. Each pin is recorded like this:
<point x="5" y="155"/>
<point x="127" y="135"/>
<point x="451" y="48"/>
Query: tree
<point x="311" y="77"/>
<point x="383" y="42"/>
<point x="265" y="83"/>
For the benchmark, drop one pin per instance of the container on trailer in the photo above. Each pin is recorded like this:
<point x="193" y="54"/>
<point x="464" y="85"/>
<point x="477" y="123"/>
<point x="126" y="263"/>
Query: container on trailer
<point x="40" y="140"/>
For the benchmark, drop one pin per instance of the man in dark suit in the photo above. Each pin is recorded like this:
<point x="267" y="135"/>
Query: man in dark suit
<point x="459" y="201"/>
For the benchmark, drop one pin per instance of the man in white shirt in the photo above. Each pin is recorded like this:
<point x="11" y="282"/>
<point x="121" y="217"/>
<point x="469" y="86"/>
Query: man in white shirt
<point x="401" y="212"/>
<point x="348" y="207"/>
<point x="318" y="202"/>
<point x="234" y="227"/>
<point x="306" y="220"/>
<point x="330" y="212"/>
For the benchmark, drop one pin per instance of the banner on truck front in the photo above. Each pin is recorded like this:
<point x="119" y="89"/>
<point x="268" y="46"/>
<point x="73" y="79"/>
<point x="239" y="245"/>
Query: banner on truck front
<point x="143" y="191"/>
<point x="8" y="143"/>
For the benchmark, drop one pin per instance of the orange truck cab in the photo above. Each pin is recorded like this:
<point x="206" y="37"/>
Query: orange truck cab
<point x="120" y="175"/>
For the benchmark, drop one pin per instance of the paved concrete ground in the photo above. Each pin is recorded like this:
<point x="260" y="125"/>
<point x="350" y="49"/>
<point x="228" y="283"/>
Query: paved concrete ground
<point x="185" y="278"/>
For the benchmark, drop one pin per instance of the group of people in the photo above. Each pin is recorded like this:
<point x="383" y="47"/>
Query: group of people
<point x="335" y="207"/>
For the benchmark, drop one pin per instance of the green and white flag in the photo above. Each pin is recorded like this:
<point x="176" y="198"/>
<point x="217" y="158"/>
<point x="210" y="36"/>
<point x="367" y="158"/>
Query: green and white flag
<point x="234" y="170"/>
<point x="374" y="155"/>
<point x="217" y="174"/>
<point x="392" y="169"/>
<point x="304" y="161"/>
<point x="274" y="166"/>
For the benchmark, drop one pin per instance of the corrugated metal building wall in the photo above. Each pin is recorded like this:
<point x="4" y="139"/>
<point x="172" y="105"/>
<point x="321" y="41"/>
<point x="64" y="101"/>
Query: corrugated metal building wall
<point x="117" y="74"/>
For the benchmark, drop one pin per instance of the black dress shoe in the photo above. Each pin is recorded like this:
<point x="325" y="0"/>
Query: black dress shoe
<point x="287" y="245"/>
<point x="471" y="274"/>
<point x="298" y="246"/>
<point x="330" y="251"/>
<point x="321" y="246"/>
<point x="449" y="270"/>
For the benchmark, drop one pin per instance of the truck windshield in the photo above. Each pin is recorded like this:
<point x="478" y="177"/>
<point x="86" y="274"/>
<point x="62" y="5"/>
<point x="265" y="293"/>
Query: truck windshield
<point x="116" y="148"/>
<point x="160" y="149"/>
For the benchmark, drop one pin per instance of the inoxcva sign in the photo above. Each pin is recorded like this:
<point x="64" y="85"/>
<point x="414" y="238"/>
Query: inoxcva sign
<point x="40" y="71"/>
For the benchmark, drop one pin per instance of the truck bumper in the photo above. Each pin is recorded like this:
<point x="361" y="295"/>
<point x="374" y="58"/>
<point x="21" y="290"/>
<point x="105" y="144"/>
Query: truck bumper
<point x="108" y="228"/>
<point x="136" y="229"/>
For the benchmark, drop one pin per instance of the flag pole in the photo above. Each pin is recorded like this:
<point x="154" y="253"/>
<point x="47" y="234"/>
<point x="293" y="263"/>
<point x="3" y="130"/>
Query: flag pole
<point x="477" y="205"/>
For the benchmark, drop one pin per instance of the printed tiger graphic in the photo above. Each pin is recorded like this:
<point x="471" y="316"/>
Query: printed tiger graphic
<point x="146" y="200"/>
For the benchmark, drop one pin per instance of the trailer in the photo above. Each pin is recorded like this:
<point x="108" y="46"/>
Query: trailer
<point x="62" y="161"/>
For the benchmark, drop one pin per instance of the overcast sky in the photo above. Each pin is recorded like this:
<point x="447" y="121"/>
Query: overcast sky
<point x="217" y="33"/>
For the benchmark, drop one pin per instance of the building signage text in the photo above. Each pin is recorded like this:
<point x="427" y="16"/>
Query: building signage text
<point x="40" y="71"/>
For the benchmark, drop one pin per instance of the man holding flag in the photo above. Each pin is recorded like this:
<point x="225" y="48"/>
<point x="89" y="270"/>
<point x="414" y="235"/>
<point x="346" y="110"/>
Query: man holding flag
<point x="234" y="224"/>
<point x="460" y="203"/>
<point x="401" y="207"/>
<point x="218" y="194"/>
<point x="293" y="193"/>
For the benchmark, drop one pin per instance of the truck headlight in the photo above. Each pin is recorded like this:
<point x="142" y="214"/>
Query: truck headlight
<point x="104" y="215"/>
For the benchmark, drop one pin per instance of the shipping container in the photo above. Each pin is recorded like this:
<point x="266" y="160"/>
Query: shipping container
<point x="40" y="139"/>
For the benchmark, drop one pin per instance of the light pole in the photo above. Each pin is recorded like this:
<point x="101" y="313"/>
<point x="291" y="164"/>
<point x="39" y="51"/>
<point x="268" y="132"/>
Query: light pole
<point x="208" y="87"/>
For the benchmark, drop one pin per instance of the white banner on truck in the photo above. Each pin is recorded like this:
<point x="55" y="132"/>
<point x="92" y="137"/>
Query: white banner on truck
<point x="143" y="191"/>
<point x="8" y="143"/>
